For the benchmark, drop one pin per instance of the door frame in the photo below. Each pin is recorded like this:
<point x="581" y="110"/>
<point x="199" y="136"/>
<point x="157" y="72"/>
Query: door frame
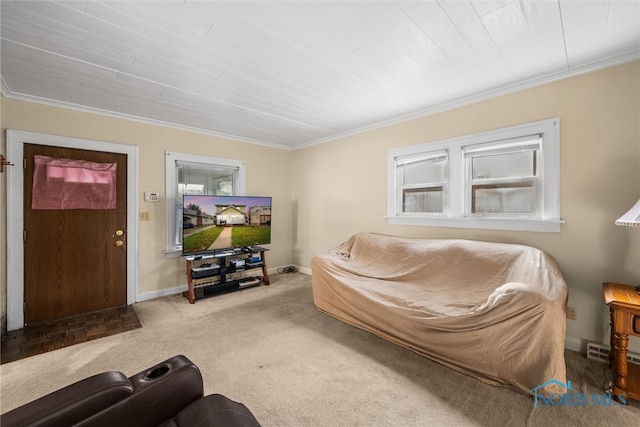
<point x="15" y="213"/>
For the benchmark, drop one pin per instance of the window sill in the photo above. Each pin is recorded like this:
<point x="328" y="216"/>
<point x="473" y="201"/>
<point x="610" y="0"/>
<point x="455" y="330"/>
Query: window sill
<point x="536" y="225"/>
<point x="172" y="253"/>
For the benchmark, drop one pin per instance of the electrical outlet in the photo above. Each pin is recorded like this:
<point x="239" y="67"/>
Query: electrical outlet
<point x="572" y="313"/>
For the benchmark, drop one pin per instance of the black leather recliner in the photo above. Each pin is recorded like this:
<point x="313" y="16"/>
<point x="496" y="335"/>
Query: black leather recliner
<point x="170" y="394"/>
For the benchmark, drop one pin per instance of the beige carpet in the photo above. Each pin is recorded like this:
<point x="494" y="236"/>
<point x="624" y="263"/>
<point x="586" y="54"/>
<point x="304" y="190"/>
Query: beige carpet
<point x="294" y="366"/>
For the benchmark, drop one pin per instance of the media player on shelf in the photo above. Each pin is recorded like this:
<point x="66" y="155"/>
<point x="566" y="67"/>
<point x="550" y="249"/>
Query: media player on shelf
<point x="204" y="270"/>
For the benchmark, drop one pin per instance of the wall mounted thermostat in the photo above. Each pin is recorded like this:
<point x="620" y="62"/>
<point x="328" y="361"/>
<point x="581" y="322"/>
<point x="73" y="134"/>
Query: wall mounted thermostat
<point x="151" y="196"/>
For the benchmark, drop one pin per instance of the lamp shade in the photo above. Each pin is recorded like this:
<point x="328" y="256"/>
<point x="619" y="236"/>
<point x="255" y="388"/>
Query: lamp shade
<point x="631" y="218"/>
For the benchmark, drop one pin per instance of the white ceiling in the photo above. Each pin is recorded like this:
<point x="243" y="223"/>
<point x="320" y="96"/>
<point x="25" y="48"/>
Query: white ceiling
<point x="294" y="73"/>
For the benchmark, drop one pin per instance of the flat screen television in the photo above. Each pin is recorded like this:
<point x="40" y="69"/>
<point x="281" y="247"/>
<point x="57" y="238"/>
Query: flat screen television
<point x="214" y="223"/>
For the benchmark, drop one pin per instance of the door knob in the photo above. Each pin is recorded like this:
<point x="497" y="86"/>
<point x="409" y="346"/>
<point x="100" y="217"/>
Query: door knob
<point x="119" y="243"/>
<point x="119" y="233"/>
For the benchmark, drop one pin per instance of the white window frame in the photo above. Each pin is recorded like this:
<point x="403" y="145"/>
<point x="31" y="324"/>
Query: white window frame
<point x="405" y="160"/>
<point x="456" y="210"/>
<point x="171" y="189"/>
<point x="525" y="144"/>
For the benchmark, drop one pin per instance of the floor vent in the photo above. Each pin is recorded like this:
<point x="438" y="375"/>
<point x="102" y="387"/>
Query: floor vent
<point x="600" y="353"/>
<point x="597" y="352"/>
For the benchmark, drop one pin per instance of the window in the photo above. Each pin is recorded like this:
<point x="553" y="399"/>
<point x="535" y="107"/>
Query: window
<point x="506" y="179"/>
<point x="193" y="174"/>
<point x="421" y="183"/>
<point x="502" y="178"/>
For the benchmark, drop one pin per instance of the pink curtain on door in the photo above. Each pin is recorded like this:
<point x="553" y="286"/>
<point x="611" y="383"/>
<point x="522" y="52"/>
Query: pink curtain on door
<point x="73" y="184"/>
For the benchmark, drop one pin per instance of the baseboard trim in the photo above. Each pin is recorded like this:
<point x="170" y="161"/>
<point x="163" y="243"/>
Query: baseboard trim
<point x="304" y="270"/>
<point x="145" y="296"/>
<point x="575" y="344"/>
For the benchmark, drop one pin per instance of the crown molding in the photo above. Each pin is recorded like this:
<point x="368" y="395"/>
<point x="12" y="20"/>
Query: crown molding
<point x="484" y="96"/>
<point x="431" y="110"/>
<point x="4" y="89"/>
<point x="85" y="109"/>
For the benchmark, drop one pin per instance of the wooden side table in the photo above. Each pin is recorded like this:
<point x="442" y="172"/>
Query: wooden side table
<point x="624" y="306"/>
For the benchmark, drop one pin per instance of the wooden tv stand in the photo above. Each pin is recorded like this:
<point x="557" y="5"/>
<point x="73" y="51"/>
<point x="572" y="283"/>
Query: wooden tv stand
<point x="204" y="280"/>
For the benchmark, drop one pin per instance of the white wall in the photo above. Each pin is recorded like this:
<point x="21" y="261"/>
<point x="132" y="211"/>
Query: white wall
<point x="340" y="187"/>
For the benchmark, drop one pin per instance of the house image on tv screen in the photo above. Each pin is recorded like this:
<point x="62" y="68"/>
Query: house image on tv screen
<point x="196" y="218"/>
<point x="231" y="215"/>
<point x="260" y="215"/>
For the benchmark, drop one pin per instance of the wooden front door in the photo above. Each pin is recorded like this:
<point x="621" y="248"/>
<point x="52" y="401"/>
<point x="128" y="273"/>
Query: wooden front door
<point x="75" y="260"/>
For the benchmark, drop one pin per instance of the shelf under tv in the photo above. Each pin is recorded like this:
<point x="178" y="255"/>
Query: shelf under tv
<point x="214" y="278"/>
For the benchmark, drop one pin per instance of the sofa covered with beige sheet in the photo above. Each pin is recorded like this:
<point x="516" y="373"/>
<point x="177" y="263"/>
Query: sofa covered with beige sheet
<point x="490" y="310"/>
